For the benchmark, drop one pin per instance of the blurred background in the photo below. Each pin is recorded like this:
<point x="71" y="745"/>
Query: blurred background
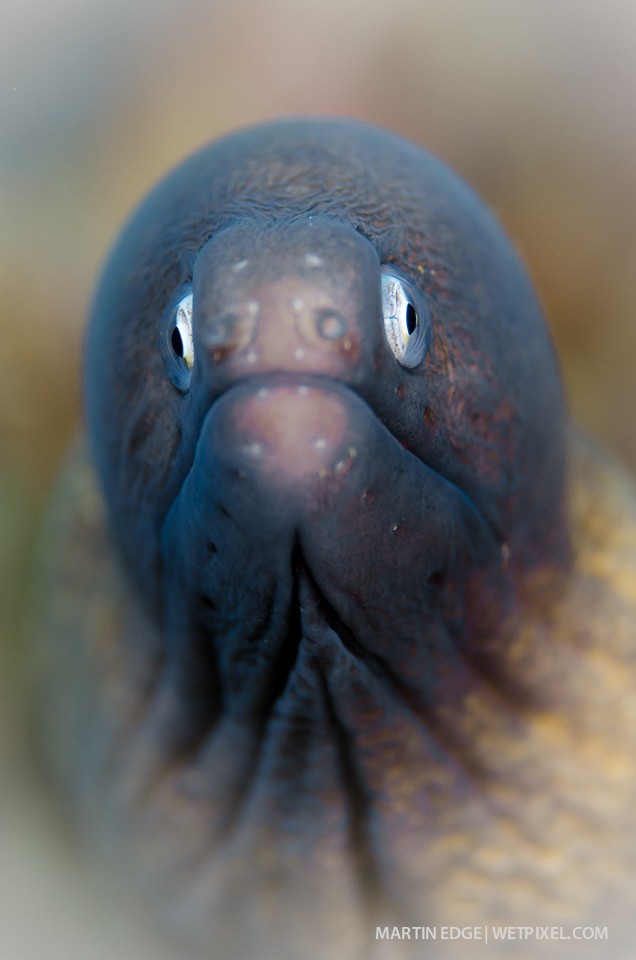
<point x="532" y="101"/>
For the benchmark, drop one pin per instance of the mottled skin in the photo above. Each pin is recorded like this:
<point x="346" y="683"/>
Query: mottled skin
<point x="338" y="652"/>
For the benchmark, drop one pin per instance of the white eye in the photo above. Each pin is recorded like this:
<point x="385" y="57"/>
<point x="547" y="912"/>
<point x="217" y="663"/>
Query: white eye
<point x="177" y="341"/>
<point x="181" y="336"/>
<point x="407" y="322"/>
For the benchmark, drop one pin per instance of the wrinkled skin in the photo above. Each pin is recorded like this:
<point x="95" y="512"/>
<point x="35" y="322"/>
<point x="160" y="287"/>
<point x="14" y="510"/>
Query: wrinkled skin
<point x="311" y="698"/>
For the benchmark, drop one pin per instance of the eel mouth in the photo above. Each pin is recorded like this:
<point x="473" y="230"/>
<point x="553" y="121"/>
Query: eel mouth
<point x="305" y="676"/>
<point x="295" y="480"/>
<point x="316" y="617"/>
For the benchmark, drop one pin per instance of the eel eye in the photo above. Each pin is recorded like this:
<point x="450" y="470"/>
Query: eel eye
<point x="407" y="322"/>
<point x="177" y="341"/>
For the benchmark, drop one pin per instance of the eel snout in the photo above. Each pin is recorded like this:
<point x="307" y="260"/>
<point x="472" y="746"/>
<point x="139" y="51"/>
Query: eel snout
<point x="295" y="297"/>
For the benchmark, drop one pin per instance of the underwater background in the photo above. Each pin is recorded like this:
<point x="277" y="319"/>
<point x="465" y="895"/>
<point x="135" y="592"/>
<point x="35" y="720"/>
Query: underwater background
<point x="531" y="101"/>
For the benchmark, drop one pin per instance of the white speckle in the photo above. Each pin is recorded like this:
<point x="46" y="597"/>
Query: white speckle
<point x="252" y="356"/>
<point x="340" y="466"/>
<point x="254" y="449"/>
<point x="299" y="353"/>
<point x="396" y="527"/>
<point x="302" y="391"/>
<point x="262" y="393"/>
<point x="239" y="265"/>
<point x="313" y="260"/>
<point x="353" y="453"/>
<point x="297" y="304"/>
<point x="346" y="343"/>
<point x="252" y="308"/>
<point x="320" y="443"/>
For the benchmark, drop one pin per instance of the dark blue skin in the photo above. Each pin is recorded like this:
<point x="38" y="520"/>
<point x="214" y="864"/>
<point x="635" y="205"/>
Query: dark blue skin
<point x="317" y="531"/>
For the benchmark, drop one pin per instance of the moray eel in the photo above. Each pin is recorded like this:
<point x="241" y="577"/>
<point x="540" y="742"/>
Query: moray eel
<point x="339" y="635"/>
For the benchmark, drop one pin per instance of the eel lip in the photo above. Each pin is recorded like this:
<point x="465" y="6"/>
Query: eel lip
<point x="299" y="386"/>
<point x="291" y="429"/>
<point x="288" y="379"/>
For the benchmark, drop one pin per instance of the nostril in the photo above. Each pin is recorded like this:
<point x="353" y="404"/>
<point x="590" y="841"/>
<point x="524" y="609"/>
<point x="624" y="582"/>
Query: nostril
<point x="220" y="331"/>
<point x="330" y="324"/>
<point x="230" y="331"/>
